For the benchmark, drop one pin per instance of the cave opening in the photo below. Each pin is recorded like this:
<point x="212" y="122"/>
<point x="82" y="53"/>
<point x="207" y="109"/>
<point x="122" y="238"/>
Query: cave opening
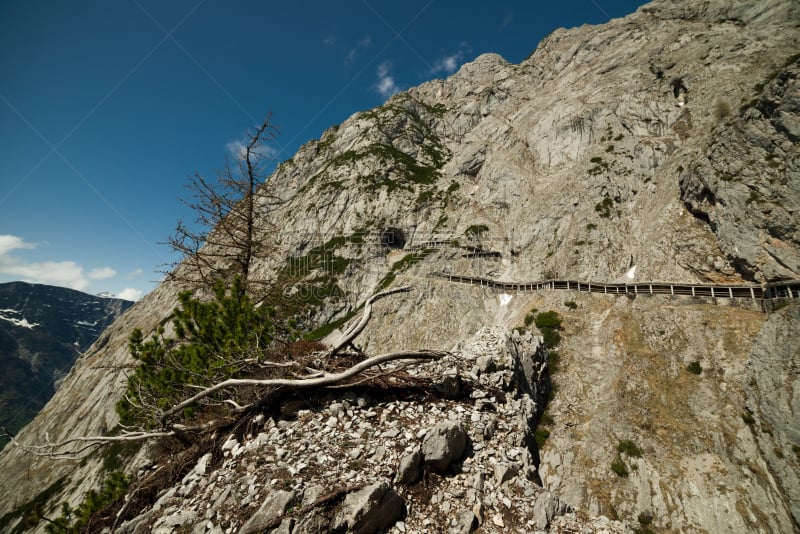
<point x="393" y="238"/>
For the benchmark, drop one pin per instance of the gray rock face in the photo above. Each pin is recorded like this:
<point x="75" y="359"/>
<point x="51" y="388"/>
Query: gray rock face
<point x="443" y="445"/>
<point x="410" y="468"/>
<point x="371" y="509"/>
<point x="773" y="399"/>
<point x="547" y="507"/>
<point x="530" y="365"/>
<point x="275" y="505"/>
<point x="748" y="184"/>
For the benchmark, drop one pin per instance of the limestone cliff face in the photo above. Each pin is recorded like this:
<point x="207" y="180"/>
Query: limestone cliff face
<point x="747" y="186"/>
<point x="636" y="143"/>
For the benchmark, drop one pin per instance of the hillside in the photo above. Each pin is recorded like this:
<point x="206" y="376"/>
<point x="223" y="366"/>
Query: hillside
<point x="43" y="330"/>
<point x="660" y="147"/>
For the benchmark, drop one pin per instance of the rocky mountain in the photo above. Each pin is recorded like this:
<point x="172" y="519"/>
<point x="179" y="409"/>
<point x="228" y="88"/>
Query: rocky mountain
<point x="43" y="330"/>
<point x="658" y="147"/>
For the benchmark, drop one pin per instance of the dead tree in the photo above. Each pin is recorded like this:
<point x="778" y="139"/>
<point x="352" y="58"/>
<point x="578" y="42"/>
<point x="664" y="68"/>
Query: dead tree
<point x="230" y="230"/>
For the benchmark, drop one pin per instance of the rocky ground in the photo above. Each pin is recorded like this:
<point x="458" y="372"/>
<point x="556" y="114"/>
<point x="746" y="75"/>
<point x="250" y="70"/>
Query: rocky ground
<point x="454" y="458"/>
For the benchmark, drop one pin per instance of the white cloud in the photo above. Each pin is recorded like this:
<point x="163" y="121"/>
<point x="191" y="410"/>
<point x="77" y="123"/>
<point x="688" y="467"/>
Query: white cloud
<point x="56" y="273"/>
<point x="329" y="41"/>
<point x="386" y="85"/>
<point x="12" y="242"/>
<point x="133" y="274"/>
<point x="130" y="293"/>
<point x="507" y="21"/>
<point x="102" y="273"/>
<point x="238" y="149"/>
<point x="362" y="44"/>
<point x="448" y="64"/>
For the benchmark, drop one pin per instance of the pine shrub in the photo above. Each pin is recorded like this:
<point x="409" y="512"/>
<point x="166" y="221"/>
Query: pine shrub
<point x="214" y="340"/>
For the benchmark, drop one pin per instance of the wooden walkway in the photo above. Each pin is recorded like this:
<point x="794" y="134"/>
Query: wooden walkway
<point x="775" y="290"/>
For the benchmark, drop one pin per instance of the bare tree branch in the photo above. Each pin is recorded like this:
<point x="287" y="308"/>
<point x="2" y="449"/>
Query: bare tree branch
<point x="231" y="232"/>
<point x="322" y="381"/>
<point x="353" y="331"/>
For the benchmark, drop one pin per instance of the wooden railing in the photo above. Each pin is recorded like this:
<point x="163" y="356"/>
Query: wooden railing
<point x="773" y="290"/>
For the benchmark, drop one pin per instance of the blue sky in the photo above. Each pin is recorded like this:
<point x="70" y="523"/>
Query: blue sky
<point x="106" y="106"/>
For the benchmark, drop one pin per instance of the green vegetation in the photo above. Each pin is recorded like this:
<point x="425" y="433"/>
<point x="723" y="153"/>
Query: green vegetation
<point x="571" y="304"/>
<point x="476" y="230"/>
<point x="212" y="341"/>
<point x="772" y="160"/>
<point x="631" y="450"/>
<point x="319" y="333"/>
<point x="553" y="357"/>
<point x="626" y="446"/>
<point x="600" y="166"/>
<point x="619" y="468"/>
<point x="603" y="208"/>
<point x="414" y="118"/>
<point x="549" y="324"/>
<point x="748" y="418"/>
<point x="32" y="511"/>
<point x="117" y="452"/>
<point x="721" y="110"/>
<point x="541" y="434"/>
<point x="645" y="519"/>
<point x="542" y="431"/>
<point x="530" y="317"/>
<point x="780" y="305"/>
<point x="394" y="169"/>
<point x="695" y="368"/>
<point x="75" y="521"/>
<point x="401" y="265"/>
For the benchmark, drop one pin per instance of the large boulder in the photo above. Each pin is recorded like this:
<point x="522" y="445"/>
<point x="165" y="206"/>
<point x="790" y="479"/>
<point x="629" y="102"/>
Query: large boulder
<point x="371" y="509"/>
<point x="443" y="445"/>
<point x="275" y="505"/>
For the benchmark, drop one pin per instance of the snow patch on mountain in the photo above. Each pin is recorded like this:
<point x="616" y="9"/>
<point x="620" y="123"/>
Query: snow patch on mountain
<point x="18" y="322"/>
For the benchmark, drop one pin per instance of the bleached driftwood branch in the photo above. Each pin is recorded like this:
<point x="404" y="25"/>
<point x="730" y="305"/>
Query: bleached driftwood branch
<point x="353" y="331"/>
<point x="326" y="379"/>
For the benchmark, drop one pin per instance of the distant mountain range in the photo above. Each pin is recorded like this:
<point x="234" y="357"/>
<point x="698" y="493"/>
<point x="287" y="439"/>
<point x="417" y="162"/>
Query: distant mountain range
<point x="43" y="329"/>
